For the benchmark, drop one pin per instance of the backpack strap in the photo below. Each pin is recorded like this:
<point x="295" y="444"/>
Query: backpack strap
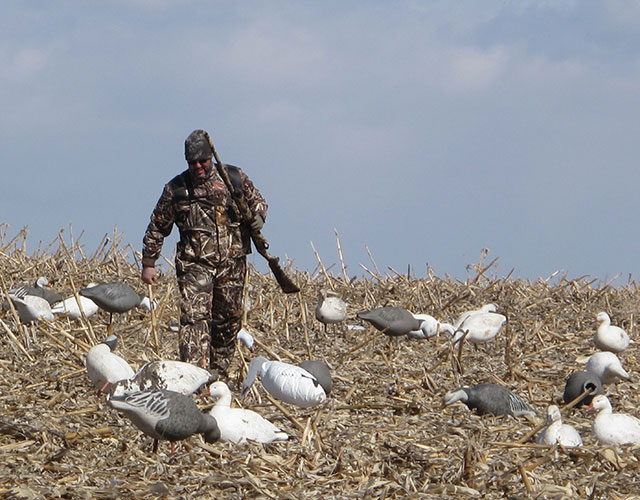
<point x="234" y="176"/>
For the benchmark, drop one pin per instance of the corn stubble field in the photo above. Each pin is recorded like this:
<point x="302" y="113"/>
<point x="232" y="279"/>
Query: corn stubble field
<point x="382" y="432"/>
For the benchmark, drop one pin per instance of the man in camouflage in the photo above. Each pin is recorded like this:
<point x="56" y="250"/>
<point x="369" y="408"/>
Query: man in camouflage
<point x="211" y="253"/>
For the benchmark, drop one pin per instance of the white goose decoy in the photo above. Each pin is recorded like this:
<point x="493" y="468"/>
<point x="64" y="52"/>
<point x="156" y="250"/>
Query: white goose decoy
<point x="331" y="309"/>
<point x="246" y="338"/>
<point x="608" y="367"/>
<point x="558" y="433"/>
<point x="69" y="307"/>
<point x="484" y="309"/>
<point x="239" y="425"/>
<point x="31" y="308"/>
<point x="104" y="367"/>
<point x="480" y="327"/>
<point x="165" y="415"/>
<point x="289" y="383"/>
<point x="613" y="428"/>
<point x="115" y="298"/>
<point x="430" y="327"/>
<point x="490" y="399"/>
<point x="320" y="371"/>
<point x="176" y="376"/>
<point x="609" y="337"/>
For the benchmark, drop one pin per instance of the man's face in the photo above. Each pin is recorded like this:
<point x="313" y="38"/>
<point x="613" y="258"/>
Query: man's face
<point x="199" y="169"/>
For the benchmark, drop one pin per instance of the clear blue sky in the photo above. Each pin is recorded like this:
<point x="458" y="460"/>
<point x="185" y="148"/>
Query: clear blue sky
<point x="423" y="130"/>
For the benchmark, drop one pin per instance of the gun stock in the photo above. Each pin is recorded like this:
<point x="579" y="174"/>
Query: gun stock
<point x="286" y="283"/>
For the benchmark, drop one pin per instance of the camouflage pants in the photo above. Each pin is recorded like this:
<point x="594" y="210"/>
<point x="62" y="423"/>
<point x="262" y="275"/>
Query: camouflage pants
<point x="210" y="312"/>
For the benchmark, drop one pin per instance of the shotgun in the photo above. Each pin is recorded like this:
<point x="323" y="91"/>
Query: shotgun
<point x="260" y="242"/>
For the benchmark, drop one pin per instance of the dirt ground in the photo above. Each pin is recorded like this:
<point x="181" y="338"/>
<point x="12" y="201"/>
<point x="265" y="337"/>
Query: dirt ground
<point x="382" y="433"/>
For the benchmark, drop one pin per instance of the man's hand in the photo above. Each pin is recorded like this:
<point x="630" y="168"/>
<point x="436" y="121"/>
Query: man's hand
<point x="257" y="223"/>
<point x="149" y="275"/>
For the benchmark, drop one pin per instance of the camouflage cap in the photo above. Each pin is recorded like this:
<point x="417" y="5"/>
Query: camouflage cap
<point x="197" y="146"/>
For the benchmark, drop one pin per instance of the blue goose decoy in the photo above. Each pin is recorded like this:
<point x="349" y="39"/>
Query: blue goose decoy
<point x="41" y="289"/>
<point x="115" y="298"/>
<point x="490" y="399"/>
<point x="391" y="320"/>
<point x="581" y="381"/>
<point x="165" y="415"/>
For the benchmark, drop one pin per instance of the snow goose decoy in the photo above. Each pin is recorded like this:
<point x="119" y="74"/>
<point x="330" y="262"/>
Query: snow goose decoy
<point x="430" y="327"/>
<point x="165" y="415"/>
<point x="331" y="309"/>
<point x="289" y="383"/>
<point x="31" y="308"/>
<point x="609" y="337"/>
<point x="176" y="376"/>
<point x="115" y="298"/>
<point x="391" y="320"/>
<point x="69" y="307"/>
<point x="320" y="371"/>
<point x="557" y="432"/>
<point x="607" y="367"/>
<point x="480" y="327"/>
<point x="490" y="399"/>
<point x="40" y="289"/>
<point x="246" y="338"/>
<point x="239" y="425"/>
<point x="613" y="428"/>
<point x="580" y="382"/>
<point x="104" y="367"/>
<point x="465" y="315"/>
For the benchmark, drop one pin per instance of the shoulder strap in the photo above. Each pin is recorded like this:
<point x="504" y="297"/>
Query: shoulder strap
<point x="182" y="186"/>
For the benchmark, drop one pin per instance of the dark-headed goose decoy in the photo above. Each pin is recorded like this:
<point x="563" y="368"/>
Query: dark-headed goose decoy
<point x="104" y="367"/>
<point x="607" y="367"/>
<point x="165" y="415"/>
<point x="579" y="382"/>
<point x="239" y="425"/>
<point x="609" y="337"/>
<point x="613" y="428"/>
<point x="289" y="383"/>
<point x="558" y="433"/>
<point x="115" y="298"/>
<point x="490" y="399"/>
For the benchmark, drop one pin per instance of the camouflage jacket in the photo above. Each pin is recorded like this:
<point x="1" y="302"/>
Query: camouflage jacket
<point x="207" y="218"/>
